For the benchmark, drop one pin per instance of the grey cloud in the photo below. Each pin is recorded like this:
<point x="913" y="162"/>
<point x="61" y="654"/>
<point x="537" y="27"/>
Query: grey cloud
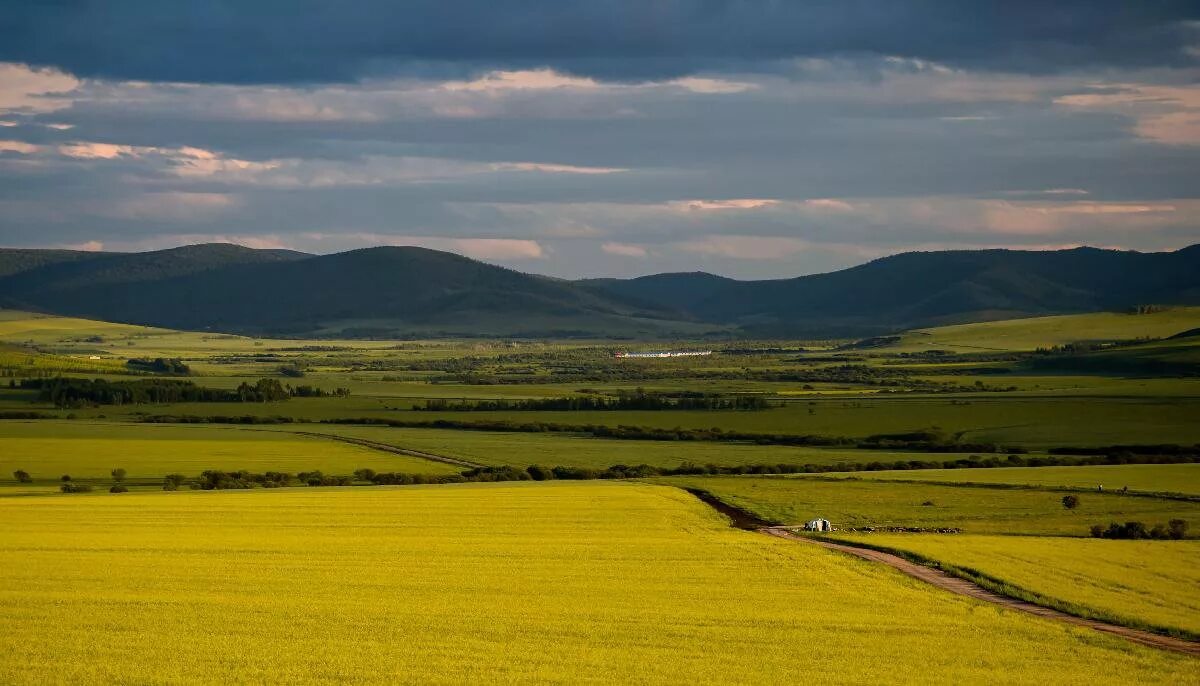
<point x="278" y="41"/>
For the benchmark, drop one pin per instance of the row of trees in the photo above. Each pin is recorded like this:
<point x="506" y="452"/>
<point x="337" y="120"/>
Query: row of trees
<point x="625" y="400"/>
<point x="1172" y="530"/>
<point x="73" y="392"/>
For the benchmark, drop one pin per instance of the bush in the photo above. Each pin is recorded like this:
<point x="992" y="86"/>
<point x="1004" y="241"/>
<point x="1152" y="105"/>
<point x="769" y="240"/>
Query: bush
<point x="65" y="478"/>
<point x="69" y="487"/>
<point x="539" y="473"/>
<point x="1177" y="528"/>
<point x="927" y="503"/>
<point x="118" y="474"/>
<point x="1070" y="501"/>
<point x="1174" y="529"/>
<point x="119" y="488"/>
<point x="22" y="476"/>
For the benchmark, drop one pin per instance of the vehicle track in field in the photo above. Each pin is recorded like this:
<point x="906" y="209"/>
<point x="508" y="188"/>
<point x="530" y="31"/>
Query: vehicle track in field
<point x="384" y="447"/>
<point x="743" y="519"/>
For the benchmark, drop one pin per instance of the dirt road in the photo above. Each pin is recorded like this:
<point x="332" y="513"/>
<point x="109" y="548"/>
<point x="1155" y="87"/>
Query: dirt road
<point x="746" y="520"/>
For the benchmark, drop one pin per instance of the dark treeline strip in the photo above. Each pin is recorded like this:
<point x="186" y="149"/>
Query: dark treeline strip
<point x="918" y="441"/>
<point x="637" y="400"/>
<point x="160" y="365"/>
<point x="220" y="480"/>
<point x="75" y="392"/>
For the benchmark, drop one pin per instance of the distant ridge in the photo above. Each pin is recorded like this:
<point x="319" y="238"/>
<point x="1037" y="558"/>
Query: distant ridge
<point x="394" y="291"/>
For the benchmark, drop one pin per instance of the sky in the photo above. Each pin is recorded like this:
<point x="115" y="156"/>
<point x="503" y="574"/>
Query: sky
<point x="754" y="139"/>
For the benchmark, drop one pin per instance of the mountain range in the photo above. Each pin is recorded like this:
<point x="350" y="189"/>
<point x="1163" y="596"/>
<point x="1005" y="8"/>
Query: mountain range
<point x="409" y="291"/>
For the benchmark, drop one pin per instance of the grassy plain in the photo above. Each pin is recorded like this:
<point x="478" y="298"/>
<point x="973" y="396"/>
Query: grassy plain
<point x="524" y="449"/>
<point x="847" y="503"/>
<point x="1036" y="332"/>
<point x="89" y="451"/>
<point x="1149" y="583"/>
<point x="1035" y="423"/>
<point x="1147" y="478"/>
<point x="551" y="582"/>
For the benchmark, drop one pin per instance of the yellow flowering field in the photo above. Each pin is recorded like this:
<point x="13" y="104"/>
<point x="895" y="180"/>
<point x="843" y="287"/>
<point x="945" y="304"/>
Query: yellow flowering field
<point x="1152" y="583"/>
<point x="575" y="582"/>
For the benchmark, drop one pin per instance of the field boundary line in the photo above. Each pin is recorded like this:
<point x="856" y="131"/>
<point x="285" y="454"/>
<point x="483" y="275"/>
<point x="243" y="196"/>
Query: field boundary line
<point x="387" y="448"/>
<point x="942" y="579"/>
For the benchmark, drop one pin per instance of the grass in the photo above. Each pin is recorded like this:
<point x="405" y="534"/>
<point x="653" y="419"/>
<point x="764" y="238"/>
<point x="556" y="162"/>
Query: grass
<point x="859" y="504"/>
<point x="524" y="449"/>
<point x="1136" y="583"/>
<point x="596" y="582"/>
<point x="89" y="451"/>
<point x="1036" y="332"/>
<point x="1030" y="422"/>
<point x="1147" y="478"/>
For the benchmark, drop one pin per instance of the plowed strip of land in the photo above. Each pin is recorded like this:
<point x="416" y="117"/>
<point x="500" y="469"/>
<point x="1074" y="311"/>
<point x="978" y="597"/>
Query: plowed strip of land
<point x="375" y="445"/>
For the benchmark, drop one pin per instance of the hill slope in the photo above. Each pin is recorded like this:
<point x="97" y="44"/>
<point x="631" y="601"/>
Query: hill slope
<point x="375" y="290"/>
<point x="391" y="291"/>
<point x="929" y="288"/>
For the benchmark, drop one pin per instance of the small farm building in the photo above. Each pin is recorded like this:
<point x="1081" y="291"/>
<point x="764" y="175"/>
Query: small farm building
<point x="818" y="525"/>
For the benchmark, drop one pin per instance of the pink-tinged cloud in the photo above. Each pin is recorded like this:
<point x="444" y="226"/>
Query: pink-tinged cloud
<point x="832" y="204"/>
<point x="554" y="168"/>
<point x="625" y="249"/>
<point x="726" y="204"/>
<point x="745" y="247"/>
<point x="87" y="246"/>
<point x="1166" y="114"/>
<point x="30" y="90"/>
<point x="99" y="151"/>
<point x="18" y="146"/>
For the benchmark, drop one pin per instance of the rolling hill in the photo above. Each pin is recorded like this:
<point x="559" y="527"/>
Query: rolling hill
<point x="928" y="289"/>
<point x="393" y="291"/>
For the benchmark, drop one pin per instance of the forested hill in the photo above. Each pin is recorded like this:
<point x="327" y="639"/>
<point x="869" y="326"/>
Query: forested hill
<point x="927" y="288"/>
<point x="393" y="291"/>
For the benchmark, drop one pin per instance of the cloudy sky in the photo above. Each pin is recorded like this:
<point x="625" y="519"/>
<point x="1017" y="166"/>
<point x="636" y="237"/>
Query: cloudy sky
<point x="752" y="139"/>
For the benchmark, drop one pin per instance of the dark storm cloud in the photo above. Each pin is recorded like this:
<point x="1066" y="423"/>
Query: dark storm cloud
<point x="287" y="41"/>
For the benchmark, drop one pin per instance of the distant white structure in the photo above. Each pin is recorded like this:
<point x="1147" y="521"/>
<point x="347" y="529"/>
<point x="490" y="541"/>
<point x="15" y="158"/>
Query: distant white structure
<point x="667" y="353"/>
<point x="818" y="525"/>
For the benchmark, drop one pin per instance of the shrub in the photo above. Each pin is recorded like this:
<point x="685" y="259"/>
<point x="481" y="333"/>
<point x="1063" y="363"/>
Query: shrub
<point x="22" y="476"/>
<point x="927" y="503"/>
<point x="364" y="474"/>
<point x="65" y="478"/>
<point x="1174" y="529"/>
<point x="69" y="487"/>
<point x="1070" y="501"/>
<point x="118" y="474"/>
<point x="1177" y="528"/>
<point x="539" y="473"/>
<point x="119" y="488"/>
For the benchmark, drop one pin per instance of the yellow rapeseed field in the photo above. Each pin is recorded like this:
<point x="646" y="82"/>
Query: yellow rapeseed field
<point x="489" y="583"/>
<point x="1154" y="583"/>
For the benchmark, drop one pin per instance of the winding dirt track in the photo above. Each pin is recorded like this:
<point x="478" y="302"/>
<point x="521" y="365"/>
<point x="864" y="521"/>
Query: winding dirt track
<point x="936" y="577"/>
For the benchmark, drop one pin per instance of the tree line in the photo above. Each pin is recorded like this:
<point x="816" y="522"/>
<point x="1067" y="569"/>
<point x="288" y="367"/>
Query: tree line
<point x="625" y="400"/>
<point x="74" y="392"/>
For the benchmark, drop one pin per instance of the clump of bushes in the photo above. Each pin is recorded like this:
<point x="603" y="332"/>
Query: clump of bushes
<point x="1172" y="530"/>
<point x="118" y="488"/>
<point x="1070" y="501"/>
<point x="22" y="476"/>
<point x="71" y="487"/>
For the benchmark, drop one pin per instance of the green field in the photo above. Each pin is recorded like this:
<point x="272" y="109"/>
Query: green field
<point x="1032" y="333"/>
<point x="1147" y="478"/>
<point x="1149" y="583"/>
<point x="90" y="451"/>
<point x="846" y="503"/>
<point x="602" y="582"/>
<point x="524" y="449"/>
